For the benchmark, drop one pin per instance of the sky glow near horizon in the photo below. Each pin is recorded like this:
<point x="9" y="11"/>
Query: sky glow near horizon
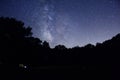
<point x="67" y="22"/>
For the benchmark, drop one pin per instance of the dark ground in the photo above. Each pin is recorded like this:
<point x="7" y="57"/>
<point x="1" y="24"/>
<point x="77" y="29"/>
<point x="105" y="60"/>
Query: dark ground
<point x="61" y="72"/>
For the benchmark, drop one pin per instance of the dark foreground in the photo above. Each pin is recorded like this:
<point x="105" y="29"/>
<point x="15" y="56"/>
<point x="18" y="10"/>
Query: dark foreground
<point x="60" y="72"/>
<point x="90" y="62"/>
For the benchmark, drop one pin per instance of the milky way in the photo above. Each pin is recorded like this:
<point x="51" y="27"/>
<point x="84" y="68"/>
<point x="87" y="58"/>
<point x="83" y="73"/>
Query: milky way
<point x="54" y="24"/>
<point x="48" y="18"/>
<point x="67" y="22"/>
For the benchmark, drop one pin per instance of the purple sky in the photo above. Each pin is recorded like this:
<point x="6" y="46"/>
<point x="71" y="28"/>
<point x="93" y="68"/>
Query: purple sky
<point x="67" y="22"/>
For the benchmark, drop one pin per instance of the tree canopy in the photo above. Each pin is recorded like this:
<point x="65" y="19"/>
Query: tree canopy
<point x="19" y="46"/>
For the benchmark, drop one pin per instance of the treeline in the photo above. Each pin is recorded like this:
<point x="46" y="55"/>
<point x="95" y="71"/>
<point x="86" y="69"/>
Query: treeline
<point x="18" y="46"/>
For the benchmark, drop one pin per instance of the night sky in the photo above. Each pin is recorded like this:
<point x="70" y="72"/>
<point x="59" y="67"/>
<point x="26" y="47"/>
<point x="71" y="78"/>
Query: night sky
<point x="68" y="22"/>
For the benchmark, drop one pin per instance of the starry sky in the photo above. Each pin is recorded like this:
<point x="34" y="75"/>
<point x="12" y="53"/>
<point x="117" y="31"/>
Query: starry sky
<point x="67" y="22"/>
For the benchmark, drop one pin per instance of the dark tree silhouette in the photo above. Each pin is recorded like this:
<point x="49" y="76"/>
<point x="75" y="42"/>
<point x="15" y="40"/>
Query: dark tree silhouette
<point x="60" y="47"/>
<point x="46" y="44"/>
<point x="13" y="28"/>
<point x="18" y="46"/>
<point x="16" y="41"/>
<point x="89" y="46"/>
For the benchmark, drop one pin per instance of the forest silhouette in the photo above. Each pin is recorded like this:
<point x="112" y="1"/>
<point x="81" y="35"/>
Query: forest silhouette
<point x="18" y="48"/>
